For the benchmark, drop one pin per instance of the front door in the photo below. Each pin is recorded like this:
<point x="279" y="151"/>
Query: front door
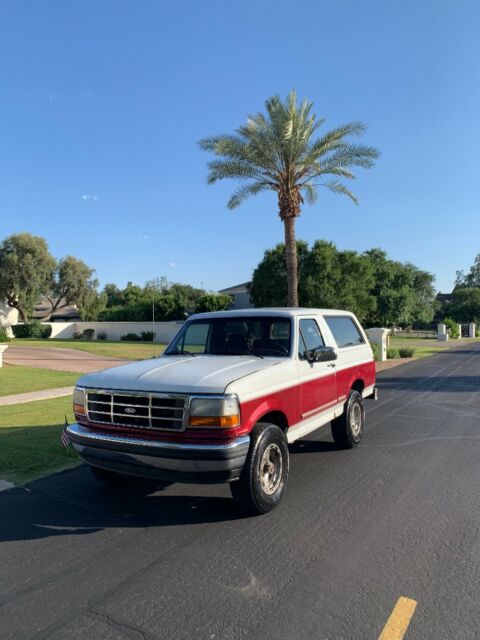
<point x="318" y="385"/>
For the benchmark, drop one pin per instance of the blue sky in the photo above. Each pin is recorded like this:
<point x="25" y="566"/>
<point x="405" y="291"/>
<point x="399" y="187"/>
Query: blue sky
<point x="102" y="103"/>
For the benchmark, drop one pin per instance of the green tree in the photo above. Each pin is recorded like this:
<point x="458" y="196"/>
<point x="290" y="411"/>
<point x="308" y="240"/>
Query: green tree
<point x="279" y="151"/>
<point x="269" y="281"/>
<point x="465" y="305"/>
<point x="472" y="278"/>
<point x="113" y="294"/>
<point x="213" y="302"/>
<point x="72" y="279"/>
<point x="403" y="293"/>
<point x="26" y="272"/>
<point x="378" y="290"/>
<point x="91" y="303"/>
<point x="339" y="279"/>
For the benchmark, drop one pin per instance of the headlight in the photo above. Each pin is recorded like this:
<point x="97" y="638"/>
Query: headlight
<point x="79" y="400"/>
<point x="214" y="412"/>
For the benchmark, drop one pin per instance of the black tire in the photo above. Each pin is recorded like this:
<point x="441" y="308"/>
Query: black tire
<point x="259" y="491"/>
<point x="346" y="430"/>
<point x="120" y="481"/>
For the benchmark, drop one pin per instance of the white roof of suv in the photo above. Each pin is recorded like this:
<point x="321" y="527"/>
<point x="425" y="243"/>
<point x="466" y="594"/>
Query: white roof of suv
<point x="272" y="311"/>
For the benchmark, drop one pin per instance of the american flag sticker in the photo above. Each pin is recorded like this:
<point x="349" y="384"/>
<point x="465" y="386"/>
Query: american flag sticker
<point x="64" y="439"/>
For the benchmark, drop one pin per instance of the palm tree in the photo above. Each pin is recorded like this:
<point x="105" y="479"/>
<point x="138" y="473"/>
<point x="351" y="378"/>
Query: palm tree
<point x="278" y="151"/>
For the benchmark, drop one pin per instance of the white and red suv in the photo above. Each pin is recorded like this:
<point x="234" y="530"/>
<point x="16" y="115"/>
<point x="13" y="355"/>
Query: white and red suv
<point x="231" y="391"/>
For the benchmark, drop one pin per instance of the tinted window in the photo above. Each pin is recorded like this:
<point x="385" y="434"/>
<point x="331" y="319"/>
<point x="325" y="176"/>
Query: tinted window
<point x="310" y="339"/>
<point x="261" y="336"/>
<point x="344" y="330"/>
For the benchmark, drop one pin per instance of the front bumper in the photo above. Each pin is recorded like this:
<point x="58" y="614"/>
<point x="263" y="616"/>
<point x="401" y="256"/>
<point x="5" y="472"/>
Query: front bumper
<point x="169" y="461"/>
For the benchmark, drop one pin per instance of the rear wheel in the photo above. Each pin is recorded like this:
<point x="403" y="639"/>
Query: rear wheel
<point x="347" y="429"/>
<point x="264" y="476"/>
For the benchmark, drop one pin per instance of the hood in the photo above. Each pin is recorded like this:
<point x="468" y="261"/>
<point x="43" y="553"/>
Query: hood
<point x="181" y="374"/>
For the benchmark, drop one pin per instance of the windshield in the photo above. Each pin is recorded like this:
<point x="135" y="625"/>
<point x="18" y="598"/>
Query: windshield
<point x="250" y="335"/>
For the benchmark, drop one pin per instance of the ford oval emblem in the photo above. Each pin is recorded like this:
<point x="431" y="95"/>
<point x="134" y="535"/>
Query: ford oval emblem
<point x="130" y="410"/>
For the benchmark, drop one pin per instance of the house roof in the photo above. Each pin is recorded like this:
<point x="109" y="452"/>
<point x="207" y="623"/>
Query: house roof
<point x="43" y="308"/>
<point x="238" y="288"/>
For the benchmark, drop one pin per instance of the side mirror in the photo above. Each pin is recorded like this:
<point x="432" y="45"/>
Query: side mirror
<point x="324" y="354"/>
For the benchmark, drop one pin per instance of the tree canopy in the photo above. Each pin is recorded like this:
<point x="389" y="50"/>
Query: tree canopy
<point x="472" y="278"/>
<point x="465" y="305"/>
<point x="29" y="272"/>
<point x="169" y="301"/>
<point x="378" y="290"/>
<point x="26" y="272"/>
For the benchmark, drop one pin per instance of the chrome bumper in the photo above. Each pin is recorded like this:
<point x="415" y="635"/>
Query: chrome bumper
<point x="172" y="461"/>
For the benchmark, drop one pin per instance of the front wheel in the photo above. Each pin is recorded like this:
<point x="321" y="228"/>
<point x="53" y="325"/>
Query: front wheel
<point x="264" y="476"/>
<point x="347" y="429"/>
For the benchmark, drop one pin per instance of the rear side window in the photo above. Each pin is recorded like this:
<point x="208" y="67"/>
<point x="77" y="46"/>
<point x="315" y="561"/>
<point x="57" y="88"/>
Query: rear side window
<point x="310" y="339"/>
<point x="344" y="330"/>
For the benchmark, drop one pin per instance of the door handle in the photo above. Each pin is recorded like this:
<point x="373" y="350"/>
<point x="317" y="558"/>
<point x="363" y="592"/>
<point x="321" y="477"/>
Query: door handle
<point x="330" y="364"/>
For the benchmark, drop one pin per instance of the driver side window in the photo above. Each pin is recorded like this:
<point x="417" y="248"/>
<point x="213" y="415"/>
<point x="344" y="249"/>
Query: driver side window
<point x="309" y="339"/>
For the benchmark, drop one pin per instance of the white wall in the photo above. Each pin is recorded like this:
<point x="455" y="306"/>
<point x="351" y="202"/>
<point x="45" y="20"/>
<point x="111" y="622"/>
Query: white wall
<point x="164" y="331"/>
<point x="8" y="316"/>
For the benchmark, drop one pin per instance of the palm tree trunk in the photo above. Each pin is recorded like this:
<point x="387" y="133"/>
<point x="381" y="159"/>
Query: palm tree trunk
<point x="291" y="258"/>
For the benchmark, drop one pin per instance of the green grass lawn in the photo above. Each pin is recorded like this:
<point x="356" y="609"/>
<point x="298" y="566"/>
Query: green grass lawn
<point x="427" y="347"/>
<point x="15" y="379"/>
<point x="30" y="440"/>
<point x="114" y="349"/>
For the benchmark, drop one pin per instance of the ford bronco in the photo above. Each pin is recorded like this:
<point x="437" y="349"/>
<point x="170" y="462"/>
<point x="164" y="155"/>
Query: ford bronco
<point x="223" y="402"/>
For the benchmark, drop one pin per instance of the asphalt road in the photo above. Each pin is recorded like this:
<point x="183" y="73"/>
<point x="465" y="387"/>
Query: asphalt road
<point x="59" y="359"/>
<point x="398" y="516"/>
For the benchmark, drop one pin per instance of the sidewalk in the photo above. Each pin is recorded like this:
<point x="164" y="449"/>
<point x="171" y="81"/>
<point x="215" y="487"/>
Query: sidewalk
<point x="31" y="396"/>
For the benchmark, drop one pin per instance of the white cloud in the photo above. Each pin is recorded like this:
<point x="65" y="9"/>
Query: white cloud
<point x="172" y="264"/>
<point x="88" y="196"/>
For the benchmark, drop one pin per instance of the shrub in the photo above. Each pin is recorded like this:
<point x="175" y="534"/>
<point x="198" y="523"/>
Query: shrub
<point x="32" y="330"/>
<point x="392" y="353"/>
<point x="406" y="352"/>
<point x="77" y="335"/>
<point x="376" y="351"/>
<point x="130" y="337"/>
<point x="452" y="327"/>
<point x="102" y="335"/>
<point x="148" y="336"/>
<point x="88" y="334"/>
<point x="3" y="335"/>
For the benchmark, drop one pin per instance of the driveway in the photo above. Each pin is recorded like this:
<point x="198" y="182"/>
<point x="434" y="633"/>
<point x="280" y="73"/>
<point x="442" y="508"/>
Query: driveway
<point x="357" y="530"/>
<point x="59" y="359"/>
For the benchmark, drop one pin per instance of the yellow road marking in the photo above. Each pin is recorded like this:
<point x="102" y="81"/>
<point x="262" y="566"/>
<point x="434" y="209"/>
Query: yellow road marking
<point x="399" y="619"/>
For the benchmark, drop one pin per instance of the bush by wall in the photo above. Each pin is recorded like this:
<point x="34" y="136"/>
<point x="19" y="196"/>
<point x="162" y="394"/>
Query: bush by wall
<point x="406" y="352"/>
<point x="130" y="337"/>
<point x="102" y="335"/>
<point x="32" y="330"/>
<point x="3" y="335"/>
<point x="376" y="351"/>
<point x="452" y="327"/>
<point x="148" y="336"/>
<point x="392" y="353"/>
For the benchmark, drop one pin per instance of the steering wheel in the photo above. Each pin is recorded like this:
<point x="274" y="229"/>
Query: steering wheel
<point x="275" y="348"/>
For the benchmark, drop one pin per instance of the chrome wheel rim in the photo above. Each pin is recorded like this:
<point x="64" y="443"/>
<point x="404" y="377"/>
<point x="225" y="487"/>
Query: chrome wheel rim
<point x="356" y="418"/>
<point x="271" y="468"/>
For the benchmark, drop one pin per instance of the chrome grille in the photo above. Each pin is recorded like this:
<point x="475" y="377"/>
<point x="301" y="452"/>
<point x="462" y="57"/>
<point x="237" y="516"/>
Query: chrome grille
<point x="144" y="410"/>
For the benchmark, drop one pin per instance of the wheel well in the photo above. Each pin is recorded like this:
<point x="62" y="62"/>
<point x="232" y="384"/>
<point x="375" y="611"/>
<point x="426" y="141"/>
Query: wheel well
<point x="358" y="385"/>
<point x="276" y="417"/>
